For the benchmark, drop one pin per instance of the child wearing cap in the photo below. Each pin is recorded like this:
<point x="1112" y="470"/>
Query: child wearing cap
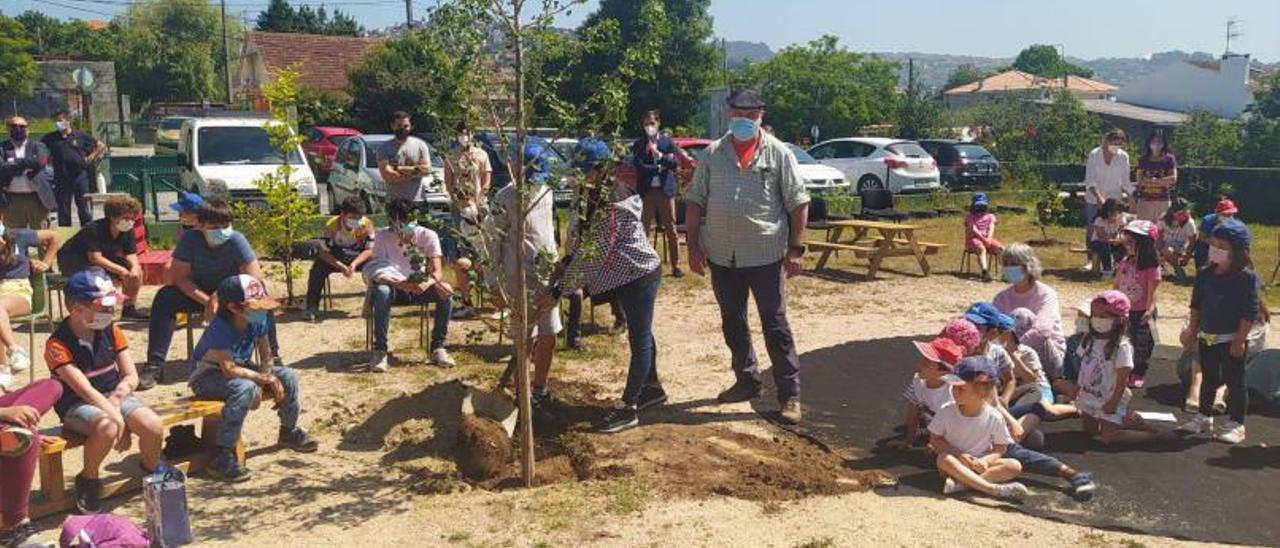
<point x="1104" y="240"/>
<point x="88" y="355"/>
<point x="1138" y="276"/>
<point x="992" y="324"/>
<point x="970" y="437"/>
<point x="1177" y="237"/>
<point x="930" y="387"/>
<point x="1224" y="210"/>
<point x="223" y="368"/>
<point x="980" y="233"/>
<point x="1225" y="303"/>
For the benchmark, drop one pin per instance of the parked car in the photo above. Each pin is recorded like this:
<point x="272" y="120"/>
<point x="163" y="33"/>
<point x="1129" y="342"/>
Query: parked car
<point x="226" y="156"/>
<point x="322" y="143"/>
<point x="963" y="165"/>
<point x="491" y="143"/>
<point x="565" y="146"/>
<point x="355" y="173"/>
<point x="877" y="162"/>
<point x="692" y="147"/>
<point x="818" y="178"/>
<point x="168" y="131"/>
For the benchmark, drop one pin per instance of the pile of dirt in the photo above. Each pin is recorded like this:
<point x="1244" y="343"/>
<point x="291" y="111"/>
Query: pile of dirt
<point x="484" y="450"/>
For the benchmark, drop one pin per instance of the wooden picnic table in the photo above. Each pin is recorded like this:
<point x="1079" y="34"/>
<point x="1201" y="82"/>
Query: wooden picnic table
<point x="890" y="240"/>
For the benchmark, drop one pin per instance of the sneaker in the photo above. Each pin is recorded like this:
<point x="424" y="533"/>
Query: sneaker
<point x="576" y="345"/>
<point x="462" y="313"/>
<point x="15" y="440"/>
<point x="986" y="276"/>
<point x="298" y="440"/>
<point x="1232" y="432"/>
<point x="88" y="495"/>
<point x="1191" y="406"/>
<point x="1088" y="265"/>
<point x="743" y="390"/>
<point x="441" y="358"/>
<point x="379" y="363"/>
<point x="149" y="375"/>
<point x="1107" y="272"/>
<point x="619" y="328"/>
<point x="1219" y="406"/>
<point x="619" y="419"/>
<point x="1082" y="485"/>
<point x="311" y="315"/>
<point x="224" y="467"/>
<point x="676" y="272"/>
<point x="1137" y="381"/>
<point x="19" y="361"/>
<point x="1012" y="491"/>
<point x="132" y="313"/>
<point x="791" y="412"/>
<point x="546" y="409"/>
<point x="1199" y="425"/>
<point x="951" y="487"/>
<point x="651" y="396"/>
<point x="20" y="534"/>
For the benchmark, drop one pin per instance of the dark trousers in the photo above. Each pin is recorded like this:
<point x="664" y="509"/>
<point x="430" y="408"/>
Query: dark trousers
<point x="1220" y="367"/>
<point x="638" y="299"/>
<point x="1144" y="343"/>
<point x="573" y="327"/>
<point x="732" y="286"/>
<point x="66" y="191"/>
<point x="320" y="272"/>
<point x="1034" y="461"/>
<point x="1106" y="253"/>
<point x="165" y="307"/>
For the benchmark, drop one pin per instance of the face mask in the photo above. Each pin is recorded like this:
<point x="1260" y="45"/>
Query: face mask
<point x="18" y="134"/>
<point x="1112" y="149"/>
<point x="651" y="131"/>
<point x="352" y="224"/>
<point x="464" y="140"/>
<point x="407" y="229"/>
<point x="256" y="316"/>
<point x="1102" y="325"/>
<point x="218" y="236"/>
<point x="62" y="126"/>
<point x="1157" y="147"/>
<point x="1013" y="274"/>
<point x="100" y="320"/>
<point x="1082" y="325"/>
<point x="402" y="133"/>
<point x="743" y="129"/>
<point x="124" y="225"/>
<point x="1181" y="218"/>
<point x="1217" y="255"/>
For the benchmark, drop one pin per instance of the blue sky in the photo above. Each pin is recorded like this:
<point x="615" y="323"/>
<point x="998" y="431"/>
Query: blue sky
<point x="995" y="28"/>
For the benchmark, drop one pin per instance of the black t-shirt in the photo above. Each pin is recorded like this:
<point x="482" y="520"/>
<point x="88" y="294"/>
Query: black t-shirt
<point x="73" y="256"/>
<point x="67" y="153"/>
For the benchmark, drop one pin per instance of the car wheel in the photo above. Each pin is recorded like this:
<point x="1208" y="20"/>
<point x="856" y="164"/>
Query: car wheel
<point x="333" y="199"/>
<point x="948" y="184"/>
<point x="868" y="182"/>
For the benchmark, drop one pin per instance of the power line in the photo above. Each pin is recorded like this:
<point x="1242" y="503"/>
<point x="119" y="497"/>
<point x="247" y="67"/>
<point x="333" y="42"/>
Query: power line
<point x="79" y="8"/>
<point x="331" y="3"/>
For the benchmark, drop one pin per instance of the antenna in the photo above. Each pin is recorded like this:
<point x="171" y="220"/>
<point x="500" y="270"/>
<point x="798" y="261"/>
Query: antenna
<point x="1232" y="33"/>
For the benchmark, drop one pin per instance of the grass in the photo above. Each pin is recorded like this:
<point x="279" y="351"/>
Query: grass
<point x="824" y="542"/>
<point x="625" y="497"/>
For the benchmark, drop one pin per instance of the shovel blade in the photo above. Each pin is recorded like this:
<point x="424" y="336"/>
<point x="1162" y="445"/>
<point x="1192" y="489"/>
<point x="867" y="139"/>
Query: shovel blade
<point x="496" y="406"/>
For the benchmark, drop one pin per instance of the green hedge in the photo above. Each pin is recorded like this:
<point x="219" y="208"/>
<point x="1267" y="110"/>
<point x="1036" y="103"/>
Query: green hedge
<point x="848" y="205"/>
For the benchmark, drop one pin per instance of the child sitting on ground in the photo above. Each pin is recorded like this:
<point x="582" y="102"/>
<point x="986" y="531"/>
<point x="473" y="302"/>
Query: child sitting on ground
<point x="993" y="324"/>
<point x="1177" y="238"/>
<point x="1030" y="374"/>
<point x="1104" y="236"/>
<point x="970" y="437"/>
<point x="980" y="233"/>
<point x="930" y="388"/>
<point x="88" y="354"/>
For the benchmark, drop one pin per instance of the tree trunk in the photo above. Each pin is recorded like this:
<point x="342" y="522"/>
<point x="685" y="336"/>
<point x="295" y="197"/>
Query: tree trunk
<point x="520" y="303"/>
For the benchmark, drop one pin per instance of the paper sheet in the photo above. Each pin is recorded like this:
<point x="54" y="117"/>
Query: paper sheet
<point x="1157" y="416"/>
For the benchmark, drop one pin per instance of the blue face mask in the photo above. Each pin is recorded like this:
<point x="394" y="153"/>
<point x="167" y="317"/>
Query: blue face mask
<point x="218" y="236"/>
<point x="743" y="129"/>
<point x="256" y="316"/>
<point x="1014" y="274"/>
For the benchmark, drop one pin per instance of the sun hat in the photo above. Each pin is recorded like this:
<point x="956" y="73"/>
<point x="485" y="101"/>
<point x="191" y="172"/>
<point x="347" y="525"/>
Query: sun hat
<point x="976" y="369"/>
<point x="1114" y="302"/>
<point x="93" y="286"/>
<point x="940" y="350"/>
<point x="1233" y="231"/>
<point x="248" y="290"/>
<point x="1226" y="207"/>
<point x="1143" y="227"/>
<point x="986" y="314"/>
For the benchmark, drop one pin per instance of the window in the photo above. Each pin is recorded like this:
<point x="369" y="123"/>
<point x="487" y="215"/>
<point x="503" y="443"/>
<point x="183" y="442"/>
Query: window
<point x="370" y="155"/>
<point x="349" y="154"/>
<point x="239" y="145"/>
<point x="969" y="150"/>
<point x="908" y="149"/>
<point x="822" y="152"/>
<point x="338" y="139"/>
<point x="311" y="134"/>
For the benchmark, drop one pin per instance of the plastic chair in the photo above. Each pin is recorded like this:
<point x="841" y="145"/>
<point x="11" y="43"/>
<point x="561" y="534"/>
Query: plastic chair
<point x="878" y="203"/>
<point x="39" y="309"/>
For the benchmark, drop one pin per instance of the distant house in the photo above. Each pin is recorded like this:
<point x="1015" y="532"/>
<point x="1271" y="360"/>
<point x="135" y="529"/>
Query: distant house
<point x="322" y="60"/>
<point x="1224" y="87"/>
<point x="1022" y="84"/>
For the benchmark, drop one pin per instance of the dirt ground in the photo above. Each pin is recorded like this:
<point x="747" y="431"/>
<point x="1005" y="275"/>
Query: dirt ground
<point x="695" y="474"/>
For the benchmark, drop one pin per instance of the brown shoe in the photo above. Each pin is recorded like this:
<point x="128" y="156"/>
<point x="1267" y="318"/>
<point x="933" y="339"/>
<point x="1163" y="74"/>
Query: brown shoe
<point x="791" y="411"/>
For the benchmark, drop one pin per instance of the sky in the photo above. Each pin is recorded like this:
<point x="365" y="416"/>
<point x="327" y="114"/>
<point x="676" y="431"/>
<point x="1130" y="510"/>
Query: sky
<point x="1086" y="29"/>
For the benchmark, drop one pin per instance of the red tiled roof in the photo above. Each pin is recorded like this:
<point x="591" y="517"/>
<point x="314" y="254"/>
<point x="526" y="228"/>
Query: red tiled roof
<point x="323" y="60"/>
<point x="1016" y="80"/>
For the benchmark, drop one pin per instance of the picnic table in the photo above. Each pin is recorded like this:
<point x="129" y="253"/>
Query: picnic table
<point x="889" y="240"/>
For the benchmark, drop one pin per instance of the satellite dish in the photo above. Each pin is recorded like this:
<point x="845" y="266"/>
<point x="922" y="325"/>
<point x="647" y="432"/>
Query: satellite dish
<point x="83" y="78"/>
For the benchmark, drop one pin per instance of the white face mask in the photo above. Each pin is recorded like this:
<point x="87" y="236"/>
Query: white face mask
<point x="651" y="130"/>
<point x="1112" y="149"/>
<point x="464" y="140"/>
<point x="100" y="320"/>
<point x="1102" y="325"/>
<point x="124" y="225"/>
<point x="61" y="125"/>
<point x="1217" y="255"/>
<point x="1157" y="147"/>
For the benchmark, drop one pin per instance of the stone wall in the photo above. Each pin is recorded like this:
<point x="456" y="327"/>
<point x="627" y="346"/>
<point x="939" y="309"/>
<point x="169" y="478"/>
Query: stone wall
<point x="55" y="90"/>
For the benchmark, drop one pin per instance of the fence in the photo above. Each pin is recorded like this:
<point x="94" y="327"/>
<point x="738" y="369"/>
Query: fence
<point x="143" y="177"/>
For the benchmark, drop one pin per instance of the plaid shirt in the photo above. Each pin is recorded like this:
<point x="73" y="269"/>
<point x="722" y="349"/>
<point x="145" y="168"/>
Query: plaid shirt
<point x="745" y="211"/>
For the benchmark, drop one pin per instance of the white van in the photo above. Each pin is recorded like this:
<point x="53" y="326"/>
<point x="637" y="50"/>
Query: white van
<point x="224" y="156"/>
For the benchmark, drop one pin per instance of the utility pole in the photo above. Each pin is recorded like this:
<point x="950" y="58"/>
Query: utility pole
<point x="408" y="14"/>
<point x="226" y="53"/>
<point x="1232" y="33"/>
<point x="724" y="56"/>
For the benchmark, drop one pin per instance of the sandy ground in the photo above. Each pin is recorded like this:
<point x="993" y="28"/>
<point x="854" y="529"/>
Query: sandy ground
<point x="385" y="474"/>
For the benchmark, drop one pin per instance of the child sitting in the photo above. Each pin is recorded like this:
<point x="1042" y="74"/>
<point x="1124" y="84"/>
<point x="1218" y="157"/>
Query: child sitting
<point x="980" y="233"/>
<point x="993" y="324"/>
<point x="347" y="243"/>
<point x="1030" y="374"/>
<point x="1104" y="236"/>
<point x="87" y="353"/>
<point x="970" y="437"/>
<point x="930" y="388"/>
<point x="1177" y="238"/>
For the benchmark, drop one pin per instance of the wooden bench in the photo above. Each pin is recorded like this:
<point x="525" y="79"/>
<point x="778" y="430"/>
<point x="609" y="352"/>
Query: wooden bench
<point x="55" y="442"/>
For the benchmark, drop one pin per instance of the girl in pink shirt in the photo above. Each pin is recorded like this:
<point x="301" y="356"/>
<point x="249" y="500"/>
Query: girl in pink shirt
<point x="1137" y="276"/>
<point x="980" y="233"/>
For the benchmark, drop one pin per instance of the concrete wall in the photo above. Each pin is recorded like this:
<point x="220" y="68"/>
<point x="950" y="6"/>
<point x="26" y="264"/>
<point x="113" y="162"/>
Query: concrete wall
<point x="965" y="100"/>
<point x="55" y="90"/>
<point x="1183" y="86"/>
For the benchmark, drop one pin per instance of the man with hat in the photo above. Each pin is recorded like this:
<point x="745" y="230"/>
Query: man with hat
<point x="746" y="213"/>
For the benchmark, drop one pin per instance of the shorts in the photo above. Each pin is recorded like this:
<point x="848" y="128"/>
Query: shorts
<point x="976" y="244"/>
<point x="1093" y="410"/>
<point x="18" y="287"/>
<point x="81" y="416"/>
<point x="547" y="323"/>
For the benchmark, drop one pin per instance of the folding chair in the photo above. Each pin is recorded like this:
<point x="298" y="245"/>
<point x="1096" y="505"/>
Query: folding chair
<point x="39" y="309"/>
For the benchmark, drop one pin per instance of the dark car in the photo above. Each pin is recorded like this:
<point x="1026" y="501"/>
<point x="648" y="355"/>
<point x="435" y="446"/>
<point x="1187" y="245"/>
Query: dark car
<point x="963" y="165"/>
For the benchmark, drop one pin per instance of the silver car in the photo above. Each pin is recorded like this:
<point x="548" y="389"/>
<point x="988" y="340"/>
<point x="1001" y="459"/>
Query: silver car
<point x="355" y="173"/>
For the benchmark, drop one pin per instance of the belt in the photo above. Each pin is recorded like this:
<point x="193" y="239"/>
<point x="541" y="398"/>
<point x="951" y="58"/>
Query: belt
<point x="1210" y="339"/>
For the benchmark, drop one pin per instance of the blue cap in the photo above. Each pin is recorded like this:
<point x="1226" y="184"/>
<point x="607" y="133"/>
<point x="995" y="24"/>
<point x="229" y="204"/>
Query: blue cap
<point x="1233" y="231"/>
<point x="979" y="198"/>
<point x="590" y="153"/>
<point x="92" y="285"/>
<point x="976" y="369"/>
<point x="537" y="167"/>
<point x="187" y="201"/>
<point x="987" y="315"/>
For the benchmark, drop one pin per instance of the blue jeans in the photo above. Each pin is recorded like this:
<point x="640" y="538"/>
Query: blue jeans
<point x="1034" y="461"/>
<point x="237" y="397"/>
<point x="169" y="301"/>
<point x="1090" y="211"/>
<point x="384" y="296"/>
<point x="1107" y="253"/>
<point x="73" y="190"/>
<point x="638" y="299"/>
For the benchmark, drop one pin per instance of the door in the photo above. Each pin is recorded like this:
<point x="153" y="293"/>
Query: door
<point x="370" y="180"/>
<point x="848" y="157"/>
<point x="186" y="158"/>
<point x="346" y="167"/>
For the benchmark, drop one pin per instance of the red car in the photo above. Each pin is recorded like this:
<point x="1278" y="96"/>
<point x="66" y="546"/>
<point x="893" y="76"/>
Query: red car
<point x="692" y="148"/>
<point x="321" y="145"/>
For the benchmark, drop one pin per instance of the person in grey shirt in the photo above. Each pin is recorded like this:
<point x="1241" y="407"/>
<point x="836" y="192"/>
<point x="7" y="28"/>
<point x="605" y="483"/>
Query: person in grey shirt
<point x="404" y="161"/>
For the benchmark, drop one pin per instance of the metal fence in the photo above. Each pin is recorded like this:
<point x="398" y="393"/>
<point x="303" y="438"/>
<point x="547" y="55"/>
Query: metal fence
<point x="143" y="177"/>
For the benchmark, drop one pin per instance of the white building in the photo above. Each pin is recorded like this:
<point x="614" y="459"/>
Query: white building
<point x="1224" y="87"/>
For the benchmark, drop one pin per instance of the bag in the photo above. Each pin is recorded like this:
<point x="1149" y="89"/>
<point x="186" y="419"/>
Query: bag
<point x="102" y="531"/>
<point x="164" y="495"/>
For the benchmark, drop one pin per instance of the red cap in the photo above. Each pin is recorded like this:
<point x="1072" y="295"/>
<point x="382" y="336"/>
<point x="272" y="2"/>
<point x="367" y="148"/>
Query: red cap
<point x="963" y="333"/>
<point x="941" y="350"/>
<point x="1226" y="207"/>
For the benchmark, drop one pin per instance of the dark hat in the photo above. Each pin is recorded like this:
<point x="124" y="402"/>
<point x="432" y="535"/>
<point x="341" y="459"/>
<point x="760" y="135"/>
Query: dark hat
<point x="1233" y="231"/>
<point x="746" y="99"/>
<point x="976" y="369"/>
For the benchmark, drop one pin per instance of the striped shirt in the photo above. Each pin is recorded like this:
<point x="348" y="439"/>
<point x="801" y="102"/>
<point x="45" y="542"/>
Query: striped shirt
<point x="745" y="211"/>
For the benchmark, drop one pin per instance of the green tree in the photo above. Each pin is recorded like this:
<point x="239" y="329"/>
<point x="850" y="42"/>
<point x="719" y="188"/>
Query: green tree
<point x="51" y="36"/>
<point x="824" y="84"/>
<point x="920" y="114"/>
<point x="282" y="17"/>
<point x="1057" y="131"/>
<point x="322" y="107"/>
<point x="1261" y="147"/>
<point x="1043" y="60"/>
<point x="415" y="73"/>
<point x="172" y="50"/>
<point x="17" y="68"/>
<point x="963" y="74"/>
<point x="1206" y="140"/>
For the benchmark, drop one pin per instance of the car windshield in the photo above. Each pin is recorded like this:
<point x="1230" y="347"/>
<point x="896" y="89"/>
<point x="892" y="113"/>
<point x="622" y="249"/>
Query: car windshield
<point x="801" y="156"/>
<point x="236" y="145"/>
<point x="910" y="150"/>
<point x="338" y="139"/>
<point x="172" y="123"/>
<point x="371" y="153"/>
<point x="972" y="151"/>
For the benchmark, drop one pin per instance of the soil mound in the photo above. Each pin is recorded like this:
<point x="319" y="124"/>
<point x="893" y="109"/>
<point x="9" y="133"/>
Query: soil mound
<point x="484" y="450"/>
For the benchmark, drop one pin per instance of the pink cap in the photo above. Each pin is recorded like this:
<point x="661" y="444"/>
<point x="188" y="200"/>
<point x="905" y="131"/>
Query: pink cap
<point x="1114" y="302"/>
<point x="963" y="333"/>
<point x="1143" y="227"/>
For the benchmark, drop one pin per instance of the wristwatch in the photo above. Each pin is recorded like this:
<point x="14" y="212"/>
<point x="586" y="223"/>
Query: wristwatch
<point x="801" y="248"/>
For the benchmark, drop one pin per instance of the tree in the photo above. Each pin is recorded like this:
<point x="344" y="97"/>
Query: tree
<point x="1057" y="131"/>
<point x="962" y="75"/>
<point x="1261" y="147"/>
<point x="824" y="84"/>
<point x="322" y="107"/>
<point x="17" y="68"/>
<point x="50" y="36"/>
<point x="415" y="73"/>
<point x="282" y="17"/>
<point x="1043" y="60"/>
<point x="171" y="50"/>
<point x="919" y="114"/>
<point x="1206" y="140"/>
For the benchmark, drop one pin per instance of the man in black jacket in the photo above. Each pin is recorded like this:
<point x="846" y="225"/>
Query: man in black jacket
<point x="73" y="154"/>
<point x="25" y="188"/>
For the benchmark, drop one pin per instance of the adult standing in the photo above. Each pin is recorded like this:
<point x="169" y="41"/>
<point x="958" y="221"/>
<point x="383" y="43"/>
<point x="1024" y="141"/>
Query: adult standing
<point x="1157" y="173"/>
<point x="467" y="176"/>
<point x="1022" y="269"/>
<point x="73" y="154"/>
<point x="404" y="161"/>
<point x="747" y="210"/>
<point x="26" y="186"/>
<point x="656" y="160"/>
<point x="1106" y="176"/>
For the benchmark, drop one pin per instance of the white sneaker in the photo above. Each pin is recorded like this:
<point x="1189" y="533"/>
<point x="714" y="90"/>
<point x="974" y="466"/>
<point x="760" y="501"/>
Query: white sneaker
<point x="1199" y="425"/>
<point x="1012" y="491"/>
<point x="1088" y="265"/>
<point x="19" y="361"/>
<point x="951" y="487"/>
<point x="441" y="358"/>
<point x="379" y="363"/>
<point x="1232" y="432"/>
<point x="5" y="378"/>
